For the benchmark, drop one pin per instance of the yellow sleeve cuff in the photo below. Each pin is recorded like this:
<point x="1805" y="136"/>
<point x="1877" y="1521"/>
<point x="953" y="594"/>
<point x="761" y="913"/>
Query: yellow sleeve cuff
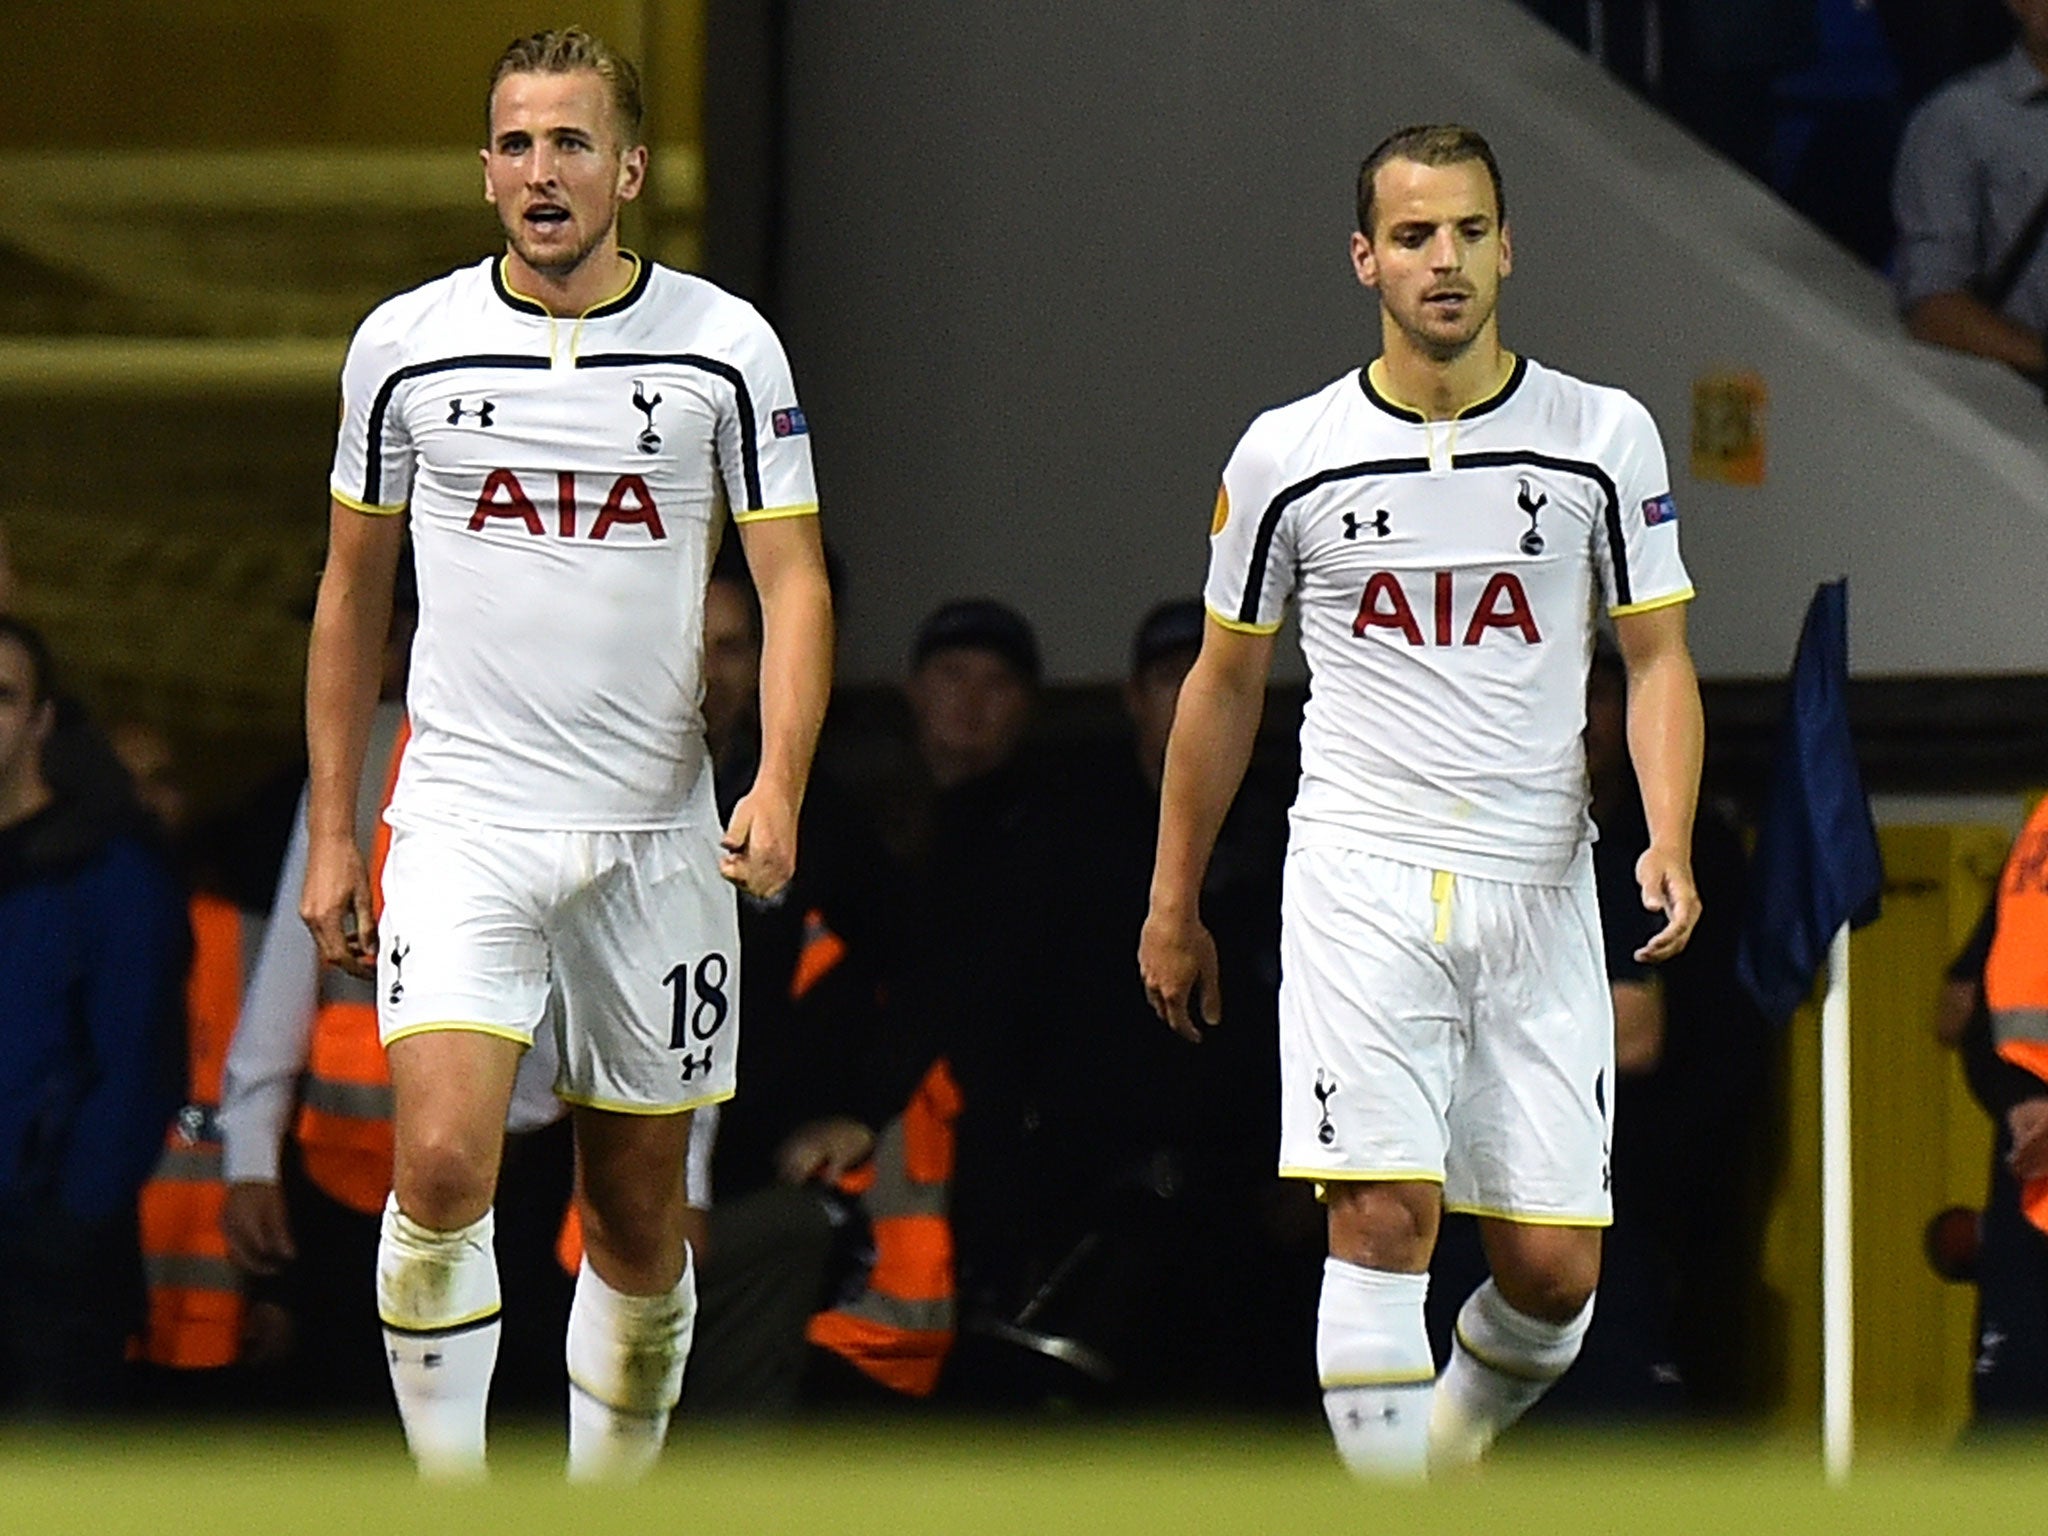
<point x="770" y="514"/>
<point x="370" y="507"/>
<point x="1651" y="604"/>
<point x="1242" y="628"/>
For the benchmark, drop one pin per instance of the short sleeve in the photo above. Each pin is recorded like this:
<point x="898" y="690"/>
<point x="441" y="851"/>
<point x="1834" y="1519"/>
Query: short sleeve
<point x="1935" y="204"/>
<point x="1640" y="568"/>
<point x="1251" y="549"/>
<point x="373" y="453"/>
<point x="764" y="440"/>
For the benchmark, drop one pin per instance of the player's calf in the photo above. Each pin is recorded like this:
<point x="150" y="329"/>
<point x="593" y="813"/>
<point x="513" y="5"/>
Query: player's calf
<point x="626" y="1356"/>
<point x="1517" y="1334"/>
<point x="1373" y="1358"/>
<point x="437" y="1295"/>
<point x="1372" y="1350"/>
<point x="635" y="1310"/>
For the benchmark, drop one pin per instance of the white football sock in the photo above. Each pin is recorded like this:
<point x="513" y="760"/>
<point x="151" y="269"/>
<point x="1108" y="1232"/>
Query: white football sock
<point x="437" y="1293"/>
<point x="626" y="1358"/>
<point x="1501" y="1362"/>
<point x="1372" y="1353"/>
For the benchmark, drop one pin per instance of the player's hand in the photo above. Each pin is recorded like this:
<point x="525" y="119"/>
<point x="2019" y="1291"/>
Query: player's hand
<point x="2028" y="1122"/>
<point x="758" y="851"/>
<point x="336" y="906"/>
<point x="824" y="1150"/>
<point x="1177" y="960"/>
<point x="1666" y="878"/>
<point x="258" y="1230"/>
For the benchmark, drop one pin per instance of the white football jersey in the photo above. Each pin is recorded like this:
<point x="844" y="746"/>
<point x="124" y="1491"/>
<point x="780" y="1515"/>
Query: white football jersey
<point x="1445" y="575"/>
<point x="564" y="480"/>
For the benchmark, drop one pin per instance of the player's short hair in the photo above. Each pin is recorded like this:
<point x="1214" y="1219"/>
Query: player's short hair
<point x="41" y="665"/>
<point x="563" y="51"/>
<point x="1429" y="144"/>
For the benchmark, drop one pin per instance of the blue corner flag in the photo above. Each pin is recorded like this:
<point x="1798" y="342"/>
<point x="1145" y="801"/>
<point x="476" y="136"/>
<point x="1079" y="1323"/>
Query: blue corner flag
<point x="1817" y="864"/>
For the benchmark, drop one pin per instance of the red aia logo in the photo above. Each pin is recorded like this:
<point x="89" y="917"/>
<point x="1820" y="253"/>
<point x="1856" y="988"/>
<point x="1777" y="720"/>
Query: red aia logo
<point x="629" y="502"/>
<point x="1502" y="605"/>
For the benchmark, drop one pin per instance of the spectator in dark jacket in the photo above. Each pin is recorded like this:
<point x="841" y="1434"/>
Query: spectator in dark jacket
<point x="93" y="942"/>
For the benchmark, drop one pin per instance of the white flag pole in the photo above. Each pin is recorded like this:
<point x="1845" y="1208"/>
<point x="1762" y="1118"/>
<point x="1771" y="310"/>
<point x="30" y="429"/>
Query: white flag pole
<point x="1838" y="1425"/>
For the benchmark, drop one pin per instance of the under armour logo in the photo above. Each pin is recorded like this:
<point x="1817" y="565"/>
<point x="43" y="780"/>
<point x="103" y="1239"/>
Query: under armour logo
<point x="1989" y="1343"/>
<point x="1386" y="1413"/>
<point x="398" y="954"/>
<point x="482" y="413"/>
<point x="1378" y="525"/>
<point x="1530" y="501"/>
<point x="649" y="441"/>
<point x="1326" y="1087"/>
<point x="692" y="1065"/>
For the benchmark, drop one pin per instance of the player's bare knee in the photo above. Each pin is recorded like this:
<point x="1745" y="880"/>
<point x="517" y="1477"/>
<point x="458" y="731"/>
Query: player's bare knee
<point x="1547" y="1273"/>
<point x="443" y="1179"/>
<point x="1390" y="1225"/>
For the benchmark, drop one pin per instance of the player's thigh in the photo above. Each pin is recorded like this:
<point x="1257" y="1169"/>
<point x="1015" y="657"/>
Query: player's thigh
<point x="630" y="1167"/>
<point x="450" y="1089"/>
<point x="1532" y="1120"/>
<point x="647" y="975"/>
<point x="461" y="980"/>
<point x="459" y="943"/>
<point x="1371" y="1021"/>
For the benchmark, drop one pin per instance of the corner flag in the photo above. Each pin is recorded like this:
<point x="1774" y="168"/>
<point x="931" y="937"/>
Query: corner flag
<point x="1817" y="864"/>
<point x="1817" y="873"/>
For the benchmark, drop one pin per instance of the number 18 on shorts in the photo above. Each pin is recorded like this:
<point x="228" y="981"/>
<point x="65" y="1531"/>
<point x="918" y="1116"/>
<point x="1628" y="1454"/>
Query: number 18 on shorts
<point x="624" y="944"/>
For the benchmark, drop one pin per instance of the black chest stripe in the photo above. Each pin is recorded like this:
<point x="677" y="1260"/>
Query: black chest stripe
<point x="373" y="469"/>
<point x="743" y="402"/>
<point x="1269" y="521"/>
<point x="750" y="459"/>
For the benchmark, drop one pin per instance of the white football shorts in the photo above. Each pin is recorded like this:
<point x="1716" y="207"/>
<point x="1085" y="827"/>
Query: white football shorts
<point x="623" y="945"/>
<point x="1447" y="1028"/>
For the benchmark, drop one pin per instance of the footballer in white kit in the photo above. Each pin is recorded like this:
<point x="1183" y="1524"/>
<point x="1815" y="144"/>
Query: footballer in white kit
<point x="564" y="426"/>
<point x="1446" y="521"/>
<point x="554" y="825"/>
<point x="1444" y="574"/>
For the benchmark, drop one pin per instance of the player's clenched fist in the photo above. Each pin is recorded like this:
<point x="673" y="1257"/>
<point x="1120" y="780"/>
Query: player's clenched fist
<point x="1177" y="959"/>
<point x="758" y="851"/>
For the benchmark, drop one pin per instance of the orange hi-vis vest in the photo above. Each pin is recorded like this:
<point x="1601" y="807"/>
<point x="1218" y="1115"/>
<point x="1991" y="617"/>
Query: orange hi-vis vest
<point x="195" y="1294"/>
<point x="2016" y="974"/>
<point x="899" y="1329"/>
<point x="344" y="1124"/>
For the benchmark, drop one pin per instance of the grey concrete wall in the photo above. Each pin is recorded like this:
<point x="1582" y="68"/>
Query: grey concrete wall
<point x="1043" y="262"/>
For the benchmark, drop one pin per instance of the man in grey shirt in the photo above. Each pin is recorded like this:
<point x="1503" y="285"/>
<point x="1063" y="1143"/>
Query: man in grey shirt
<point x="1971" y="172"/>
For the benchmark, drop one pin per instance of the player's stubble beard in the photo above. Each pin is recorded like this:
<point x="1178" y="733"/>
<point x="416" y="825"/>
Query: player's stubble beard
<point x="559" y="267"/>
<point x="1441" y="348"/>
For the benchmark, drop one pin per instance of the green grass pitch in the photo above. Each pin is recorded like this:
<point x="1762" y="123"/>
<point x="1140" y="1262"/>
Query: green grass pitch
<point x="963" y="1479"/>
